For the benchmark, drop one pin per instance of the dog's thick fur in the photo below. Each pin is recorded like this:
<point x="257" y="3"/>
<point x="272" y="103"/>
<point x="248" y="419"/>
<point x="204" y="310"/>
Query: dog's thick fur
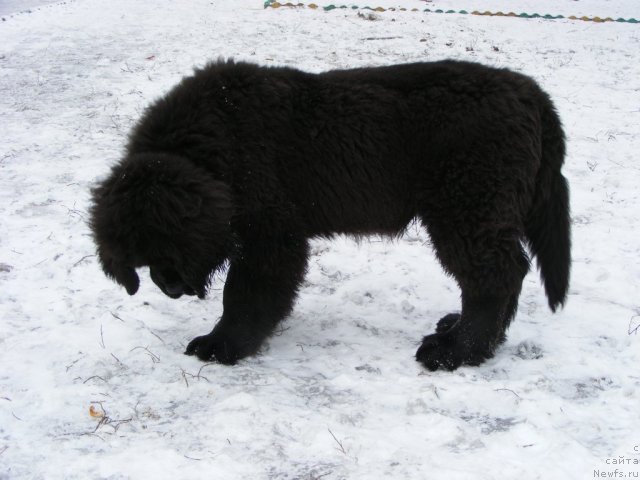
<point x="242" y="165"/>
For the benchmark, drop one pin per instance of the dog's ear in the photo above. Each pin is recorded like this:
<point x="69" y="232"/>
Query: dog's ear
<point x="125" y="275"/>
<point x="119" y="271"/>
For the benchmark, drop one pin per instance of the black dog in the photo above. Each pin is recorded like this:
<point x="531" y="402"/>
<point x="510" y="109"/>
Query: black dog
<point x="243" y="164"/>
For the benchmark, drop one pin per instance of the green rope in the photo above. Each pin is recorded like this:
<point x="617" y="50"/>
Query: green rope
<point x="328" y="8"/>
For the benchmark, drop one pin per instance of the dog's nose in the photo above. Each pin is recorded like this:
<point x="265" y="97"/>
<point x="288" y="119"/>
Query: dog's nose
<point x="174" y="289"/>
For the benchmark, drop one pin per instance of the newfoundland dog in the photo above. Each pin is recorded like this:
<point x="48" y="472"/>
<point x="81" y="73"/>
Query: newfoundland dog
<point x="241" y="165"/>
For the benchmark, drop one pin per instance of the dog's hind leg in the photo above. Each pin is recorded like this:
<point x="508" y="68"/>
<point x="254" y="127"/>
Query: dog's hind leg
<point x="260" y="291"/>
<point x="449" y="320"/>
<point x="489" y="265"/>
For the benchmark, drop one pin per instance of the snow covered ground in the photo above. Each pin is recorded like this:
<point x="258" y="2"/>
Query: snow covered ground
<point x="93" y="383"/>
<point x="17" y="6"/>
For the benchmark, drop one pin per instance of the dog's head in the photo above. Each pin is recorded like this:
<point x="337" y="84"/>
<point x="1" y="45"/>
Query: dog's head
<point x="161" y="211"/>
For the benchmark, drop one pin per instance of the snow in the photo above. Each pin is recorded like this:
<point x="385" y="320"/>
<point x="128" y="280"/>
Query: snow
<point x="337" y="393"/>
<point x="19" y="6"/>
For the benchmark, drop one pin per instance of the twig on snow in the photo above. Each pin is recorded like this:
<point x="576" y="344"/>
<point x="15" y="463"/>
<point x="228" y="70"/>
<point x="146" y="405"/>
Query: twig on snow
<point x="89" y="434"/>
<point x="81" y="260"/>
<point x="205" y="365"/>
<point x="634" y="330"/>
<point x="338" y="442"/>
<point x="154" y="358"/>
<point x="115" y="424"/>
<point x="191" y="458"/>
<point x="94" y="376"/>
<point x="107" y="420"/>
<point x="184" y="377"/>
<point x="435" y="391"/>
<point x="506" y="390"/>
<point x="156" y="335"/>
<point x="75" y="211"/>
<point x="382" y="38"/>
<point x="191" y="375"/>
<point x="313" y="476"/>
<point x="101" y="337"/>
<point x="68" y="367"/>
<point x="117" y="360"/>
<point x="280" y="331"/>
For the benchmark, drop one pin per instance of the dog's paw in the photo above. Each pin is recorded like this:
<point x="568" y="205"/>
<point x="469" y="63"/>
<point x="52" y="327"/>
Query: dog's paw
<point x="446" y="322"/>
<point x="447" y="350"/>
<point x="214" y="347"/>
<point x="439" y="352"/>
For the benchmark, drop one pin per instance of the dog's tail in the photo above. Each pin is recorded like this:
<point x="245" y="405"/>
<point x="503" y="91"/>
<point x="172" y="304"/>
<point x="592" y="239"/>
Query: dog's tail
<point x="548" y="225"/>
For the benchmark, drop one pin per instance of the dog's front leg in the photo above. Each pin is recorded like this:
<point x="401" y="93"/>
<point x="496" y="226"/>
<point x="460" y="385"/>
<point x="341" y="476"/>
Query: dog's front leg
<point x="260" y="290"/>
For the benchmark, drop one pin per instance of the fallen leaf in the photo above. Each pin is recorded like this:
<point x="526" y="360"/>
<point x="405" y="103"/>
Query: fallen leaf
<point x="95" y="413"/>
